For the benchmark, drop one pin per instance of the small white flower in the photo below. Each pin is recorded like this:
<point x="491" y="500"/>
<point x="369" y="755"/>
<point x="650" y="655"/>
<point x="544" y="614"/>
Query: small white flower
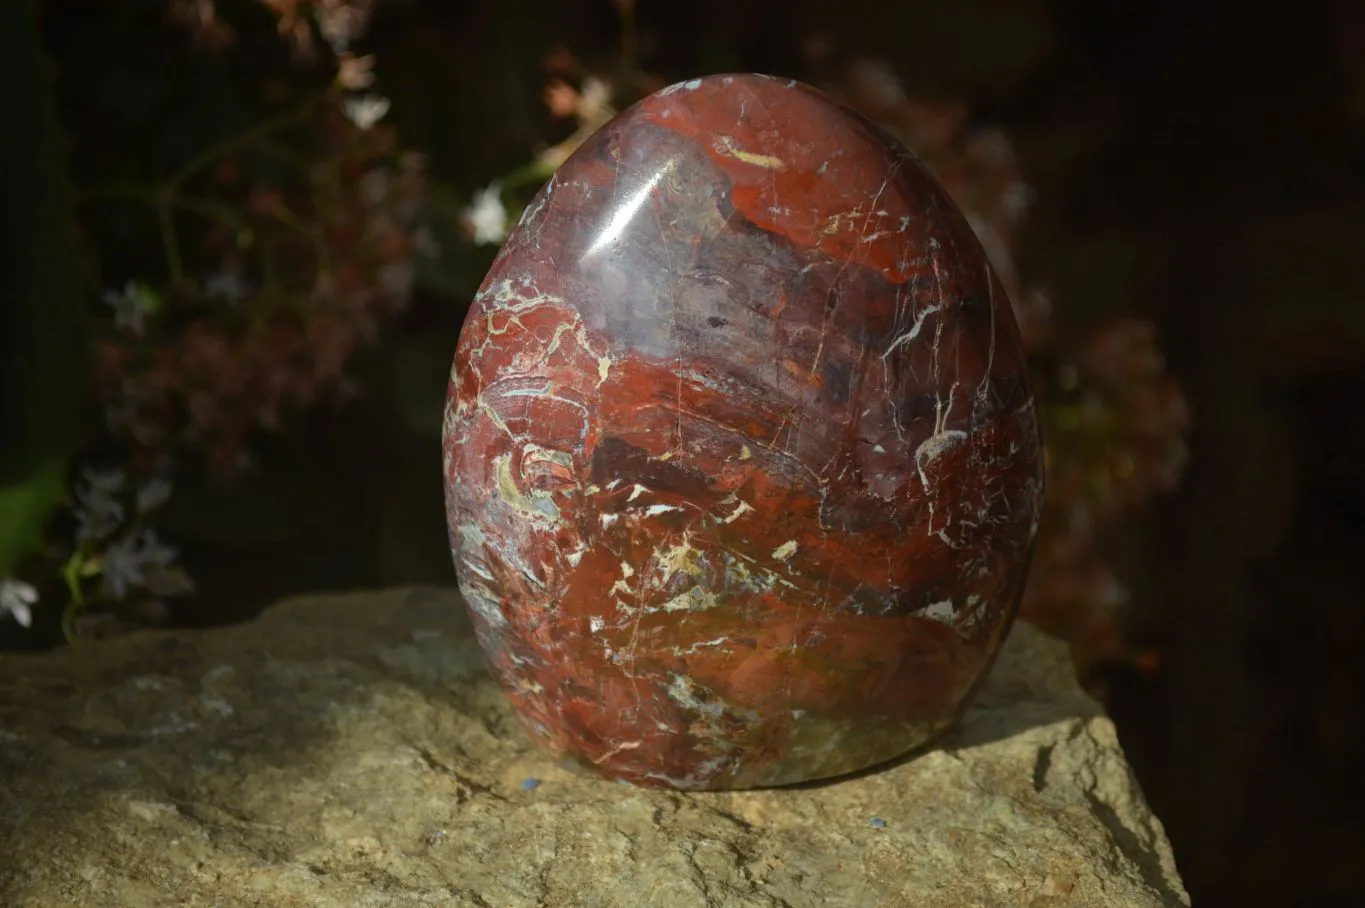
<point x="131" y="305"/>
<point x="594" y="101"/>
<point x="98" y="512"/>
<point x="487" y="217"/>
<point x="103" y="482"/>
<point x="880" y="81"/>
<point x="366" y="110"/>
<point x="355" y="72"/>
<point x="227" y="285"/>
<point x="17" y="599"/>
<point x="340" y="23"/>
<point x="126" y="561"/>
<point x="153" y="495"/>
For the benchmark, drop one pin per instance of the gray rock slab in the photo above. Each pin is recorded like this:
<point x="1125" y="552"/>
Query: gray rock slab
<point x="351" y="750"/>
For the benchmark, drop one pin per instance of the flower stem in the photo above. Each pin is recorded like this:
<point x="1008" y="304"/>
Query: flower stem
<point x="256" y="133"/>
<point x="167" y="198"/>
<point x="71" y="573"/>
<point x="170" y="240"/>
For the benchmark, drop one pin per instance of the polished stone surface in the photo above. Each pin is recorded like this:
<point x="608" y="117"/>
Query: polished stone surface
<point x="741" y="462"/>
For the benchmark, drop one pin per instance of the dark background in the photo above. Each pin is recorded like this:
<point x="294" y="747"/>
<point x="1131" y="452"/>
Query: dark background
<point x="1195" y="164"/>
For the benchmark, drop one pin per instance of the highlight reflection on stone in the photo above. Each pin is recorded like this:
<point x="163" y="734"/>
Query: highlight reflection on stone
<point x="742" y="469"/>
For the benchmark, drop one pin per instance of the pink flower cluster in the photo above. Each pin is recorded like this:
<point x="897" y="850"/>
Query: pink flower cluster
<point x="283" y="278"/>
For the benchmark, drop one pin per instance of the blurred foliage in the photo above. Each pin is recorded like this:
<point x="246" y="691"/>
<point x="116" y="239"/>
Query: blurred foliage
<point x="246" y="224"/>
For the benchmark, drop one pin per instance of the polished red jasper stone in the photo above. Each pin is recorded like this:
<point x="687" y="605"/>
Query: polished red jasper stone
<point x="741" y="462"/>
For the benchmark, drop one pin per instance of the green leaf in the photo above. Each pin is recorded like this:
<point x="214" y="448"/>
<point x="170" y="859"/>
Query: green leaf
<point x="25" y="508"/>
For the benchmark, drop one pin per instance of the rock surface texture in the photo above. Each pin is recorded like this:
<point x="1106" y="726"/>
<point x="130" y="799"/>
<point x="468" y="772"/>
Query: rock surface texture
<point x="352" y="750"/>
<point x="741" y="461"/>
